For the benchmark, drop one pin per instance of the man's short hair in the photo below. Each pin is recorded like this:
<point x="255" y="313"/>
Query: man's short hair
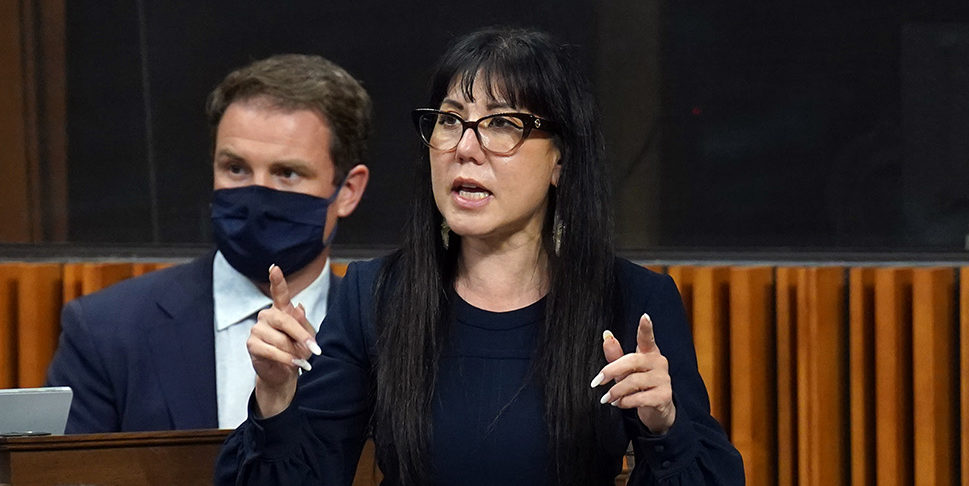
<point x="299" y="82"/>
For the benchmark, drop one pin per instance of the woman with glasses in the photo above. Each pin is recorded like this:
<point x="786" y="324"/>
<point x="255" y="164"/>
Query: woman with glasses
<point x="504" y="342"/>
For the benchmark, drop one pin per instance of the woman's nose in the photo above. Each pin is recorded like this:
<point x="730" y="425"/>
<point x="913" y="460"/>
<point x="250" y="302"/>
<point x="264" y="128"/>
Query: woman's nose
<point x="469" y="147"/>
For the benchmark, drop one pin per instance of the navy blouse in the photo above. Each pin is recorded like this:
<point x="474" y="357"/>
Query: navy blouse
<point x="488" y="425"/>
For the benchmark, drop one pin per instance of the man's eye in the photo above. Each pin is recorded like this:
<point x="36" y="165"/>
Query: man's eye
<point x="235" y="168"/>
<point x="288" y="173"/>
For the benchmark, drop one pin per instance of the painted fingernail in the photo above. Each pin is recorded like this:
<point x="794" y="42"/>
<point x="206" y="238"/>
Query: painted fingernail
<point x="313" y="347"/>
<point x="607" y="335"/>
<point x="302" y="363"/>
<point x="650" y="319"/>
<point x="598" y="380"/>
<point x="605" y="398"/>
<point x="271" y="265"/>
<point x="615" y="403"/>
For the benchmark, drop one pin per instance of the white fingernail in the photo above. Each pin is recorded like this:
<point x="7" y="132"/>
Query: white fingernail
<point x="607" y="335"/>
<point x="615" y="403"/>
<point x="271" y="265"/>
<point x="650" y="319"/>
<point x="598" y="380"/>
<point x="302" y="363"/>
<point x="605" y="398"/>
<point x="313" y="347"/>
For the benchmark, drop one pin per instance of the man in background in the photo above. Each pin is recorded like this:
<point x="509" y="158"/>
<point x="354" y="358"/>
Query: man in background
<point x="167" y="350"/>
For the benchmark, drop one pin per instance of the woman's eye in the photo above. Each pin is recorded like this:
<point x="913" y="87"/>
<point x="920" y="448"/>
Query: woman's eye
<point x="447" y="120"/>
<point x="504" y="122"/>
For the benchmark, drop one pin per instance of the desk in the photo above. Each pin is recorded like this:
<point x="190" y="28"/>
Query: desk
<point x="183" y="457"/>
<point x="123" y="459"/>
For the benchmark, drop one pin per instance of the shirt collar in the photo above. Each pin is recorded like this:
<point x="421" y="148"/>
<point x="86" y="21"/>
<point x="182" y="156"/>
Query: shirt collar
<point x="236" y="298"/>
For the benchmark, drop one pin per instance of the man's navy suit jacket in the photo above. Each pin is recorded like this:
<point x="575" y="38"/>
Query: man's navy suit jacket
<point x="140" y="355"/>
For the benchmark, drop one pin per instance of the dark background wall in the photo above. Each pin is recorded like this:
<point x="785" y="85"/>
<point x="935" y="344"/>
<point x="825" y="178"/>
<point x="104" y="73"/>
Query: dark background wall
<point x="729" y="124"/>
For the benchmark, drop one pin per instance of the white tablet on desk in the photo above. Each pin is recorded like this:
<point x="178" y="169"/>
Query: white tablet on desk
<point x="34" y="411"/>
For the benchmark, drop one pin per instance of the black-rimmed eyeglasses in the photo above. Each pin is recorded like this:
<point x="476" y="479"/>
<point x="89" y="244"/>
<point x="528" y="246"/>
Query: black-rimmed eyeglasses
<point x="500" y="133"/>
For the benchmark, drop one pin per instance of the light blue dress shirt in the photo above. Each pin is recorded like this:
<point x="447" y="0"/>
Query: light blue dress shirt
<point x="237" y="301"/>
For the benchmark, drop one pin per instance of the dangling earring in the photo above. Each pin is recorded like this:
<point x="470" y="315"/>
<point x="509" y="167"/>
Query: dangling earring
<point x="445" y="233"/>
<point x="558" y="229"/>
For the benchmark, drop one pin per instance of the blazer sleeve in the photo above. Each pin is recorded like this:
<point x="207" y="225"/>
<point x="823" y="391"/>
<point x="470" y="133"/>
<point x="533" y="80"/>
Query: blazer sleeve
<point x="318" y="439"/>
<point x="78" y="364"/>
<point x="695" y="450"/>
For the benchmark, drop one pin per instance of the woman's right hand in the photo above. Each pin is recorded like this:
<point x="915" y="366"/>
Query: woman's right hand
<point x="279" y="345"/>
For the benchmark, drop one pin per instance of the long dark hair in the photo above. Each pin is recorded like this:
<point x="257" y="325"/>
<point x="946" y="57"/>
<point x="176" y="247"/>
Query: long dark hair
<point x="528" y="70"/>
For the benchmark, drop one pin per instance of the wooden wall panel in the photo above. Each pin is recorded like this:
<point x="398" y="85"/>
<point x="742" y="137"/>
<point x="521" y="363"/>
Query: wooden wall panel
<point x="711" y="336"/>
<point x="964" y="371"/>
<point x="9" y="273"/>
<point x="787" y="413"/>
<point x="73" y="274"/>
<point x="822" y="396"/>
<point x="893" y="376"/>
<point x="16" y="216"/>
<point x="861" y="337"/>
<point x="683" y="277"/>
<point x="935" y="378"/>
<point x="38" y="303"/>
<point x="96" y="276"/>
<point x="753" y="391"/>
<point x="815" y="383"/>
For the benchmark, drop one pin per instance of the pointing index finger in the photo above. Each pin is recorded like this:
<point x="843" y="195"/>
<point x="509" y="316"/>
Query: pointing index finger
<point x="645" y="339"/>
<point x="278" y="289"/>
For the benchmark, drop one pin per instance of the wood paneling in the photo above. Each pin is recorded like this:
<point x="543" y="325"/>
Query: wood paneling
<point x="9" y="274"/>
<point x="711" y="336"/>
<point x="786" y="296"/>
<point x="893" y="376"/>
<point x="964" y="370"/>
<point x="935" y="378"/>
<point x="861" y="337"/>
<point x="824" y="375"/>
<point x="753" y="391"/>
<point x="821" y="372"/>
<point x="38" y="323"/>
<point x="16" y="216"/>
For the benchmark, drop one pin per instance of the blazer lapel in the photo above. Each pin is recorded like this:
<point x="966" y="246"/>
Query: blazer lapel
<point x="182" y="343"/>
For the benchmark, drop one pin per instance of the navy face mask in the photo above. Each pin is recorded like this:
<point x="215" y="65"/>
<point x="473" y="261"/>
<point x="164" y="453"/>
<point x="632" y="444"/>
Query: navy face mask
<point x="255" y="226"/>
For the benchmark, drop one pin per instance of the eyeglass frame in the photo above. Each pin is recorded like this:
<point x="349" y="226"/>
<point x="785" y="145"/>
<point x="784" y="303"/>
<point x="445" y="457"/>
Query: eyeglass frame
<point x="530" y="122"/>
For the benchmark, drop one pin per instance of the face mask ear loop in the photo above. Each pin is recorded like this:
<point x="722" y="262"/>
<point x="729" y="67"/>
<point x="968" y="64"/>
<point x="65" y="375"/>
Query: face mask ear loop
<point x="329" y="200"/>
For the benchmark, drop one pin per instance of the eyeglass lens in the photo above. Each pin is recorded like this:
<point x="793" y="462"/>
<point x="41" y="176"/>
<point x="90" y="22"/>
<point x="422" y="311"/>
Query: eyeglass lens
<point x="497" y="133"/>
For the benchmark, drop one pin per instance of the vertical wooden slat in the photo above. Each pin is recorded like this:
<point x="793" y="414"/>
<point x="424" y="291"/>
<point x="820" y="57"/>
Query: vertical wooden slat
<point x="964" y="370"/>
<point x="933" y="359"/>
<point x="861" y="332"/>
<point x="16" y="218"/>
<point x="711" y="301"/>
<point x="38" y="304"/>
<point x="683" y="277"/>
<point x="822" y="350"/>
<point x="786" y="296"/>
<point x="893" y="377"/>
<point x="9" y="273"/>
<point x="73" y="274"/>
<point x="752" y="372"/>
<point x="339" y="269"/>
<point x="96" y="276"/>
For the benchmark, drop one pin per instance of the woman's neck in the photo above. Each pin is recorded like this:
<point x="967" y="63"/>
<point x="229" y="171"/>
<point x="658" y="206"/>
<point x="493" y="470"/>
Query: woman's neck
<point x="504" y="277"/>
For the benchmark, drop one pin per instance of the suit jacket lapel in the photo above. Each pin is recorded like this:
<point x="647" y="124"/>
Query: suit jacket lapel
<point x="182" y="343"/>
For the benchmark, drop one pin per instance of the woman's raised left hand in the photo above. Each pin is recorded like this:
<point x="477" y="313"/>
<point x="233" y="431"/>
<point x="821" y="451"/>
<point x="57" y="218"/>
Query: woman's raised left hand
<point x="642" y="378"/>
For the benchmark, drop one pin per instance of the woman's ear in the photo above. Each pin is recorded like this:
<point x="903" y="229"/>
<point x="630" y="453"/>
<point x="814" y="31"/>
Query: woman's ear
<point x="556" y="173"/>
<point x="352" y="191"/>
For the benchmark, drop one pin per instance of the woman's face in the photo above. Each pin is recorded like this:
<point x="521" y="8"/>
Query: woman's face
<point x="500" y="199"/>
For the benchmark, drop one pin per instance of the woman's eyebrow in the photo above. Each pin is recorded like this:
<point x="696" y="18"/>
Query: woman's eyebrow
<point x="454" y="104"/>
